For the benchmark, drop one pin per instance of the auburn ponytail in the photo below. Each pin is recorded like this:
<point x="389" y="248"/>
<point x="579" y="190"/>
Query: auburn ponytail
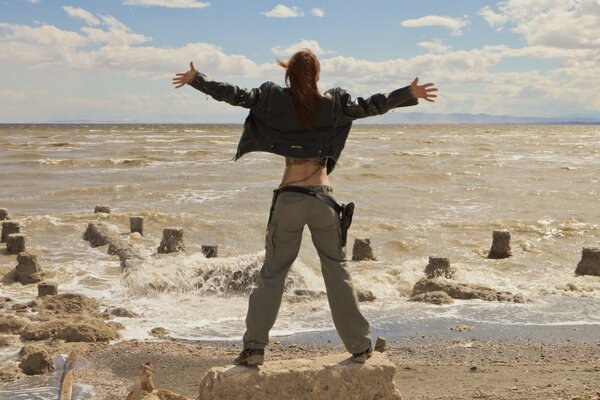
<point x="301" y="74"/>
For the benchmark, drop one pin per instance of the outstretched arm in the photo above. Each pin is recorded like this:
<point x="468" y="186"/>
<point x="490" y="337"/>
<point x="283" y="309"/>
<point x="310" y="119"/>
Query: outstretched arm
<point x="381" y="103"/>
<point x="220" y="91"/>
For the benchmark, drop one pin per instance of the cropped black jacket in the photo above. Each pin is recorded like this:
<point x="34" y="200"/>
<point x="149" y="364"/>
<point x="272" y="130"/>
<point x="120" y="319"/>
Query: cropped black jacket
<point x="273" y="125"/>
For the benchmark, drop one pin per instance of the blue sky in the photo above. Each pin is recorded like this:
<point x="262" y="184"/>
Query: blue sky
<point x="112" y="60"/>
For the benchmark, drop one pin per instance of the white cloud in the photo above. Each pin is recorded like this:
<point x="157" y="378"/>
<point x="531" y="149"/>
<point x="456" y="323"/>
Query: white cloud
<point x="33" y="1"/>
<point x="313" y="45"/>
<point x="87" y="16"/>
<point x="565" y="24"/>
<point x="434" y="46"/>
<point x="167" y="3"/>
<point x="454" y="24"/>
<point x="318" y="12"/>
<point x="281" y="11"/>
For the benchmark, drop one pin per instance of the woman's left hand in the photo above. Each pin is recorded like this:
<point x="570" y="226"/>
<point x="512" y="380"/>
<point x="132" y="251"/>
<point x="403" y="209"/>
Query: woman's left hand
<point x="183" y="78"/>
<point x="423" y="91"/>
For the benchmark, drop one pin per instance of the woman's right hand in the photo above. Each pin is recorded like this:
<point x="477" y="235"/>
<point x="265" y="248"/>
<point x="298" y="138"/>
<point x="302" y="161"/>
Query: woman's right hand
<point x="183" y="78"/>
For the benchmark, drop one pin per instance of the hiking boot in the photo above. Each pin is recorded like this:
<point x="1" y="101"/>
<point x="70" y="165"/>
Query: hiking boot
<point x="250" y="357"/>
<point x="362" y="356"/>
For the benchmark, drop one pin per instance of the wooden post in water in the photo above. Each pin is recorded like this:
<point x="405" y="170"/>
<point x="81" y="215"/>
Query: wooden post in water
<point x="137" y="225"/>
<point x="500" y="245"/>
<point x="68" y="378"/>
<point x="8" y="228"/>
<point x="15" y="243"/>
<point x="172" y="241"/>
<point x="3" y="214"/>
<point x="102" y="209"/>
<point x="210" y="251"/>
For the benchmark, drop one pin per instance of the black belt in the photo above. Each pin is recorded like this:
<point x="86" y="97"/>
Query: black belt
<point x="344" y="211"/>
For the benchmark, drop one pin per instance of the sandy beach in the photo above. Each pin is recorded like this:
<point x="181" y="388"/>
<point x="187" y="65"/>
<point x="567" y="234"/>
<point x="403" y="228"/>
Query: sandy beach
<point x="426" y="368"/>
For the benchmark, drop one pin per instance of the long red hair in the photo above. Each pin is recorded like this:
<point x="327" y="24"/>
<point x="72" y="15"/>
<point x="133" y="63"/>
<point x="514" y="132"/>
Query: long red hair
<point x="301" y="74"/>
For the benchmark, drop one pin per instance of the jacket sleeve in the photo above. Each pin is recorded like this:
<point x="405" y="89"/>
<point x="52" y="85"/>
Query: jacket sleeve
<point x="228" y="93"/>
<point x="376" y="104"/>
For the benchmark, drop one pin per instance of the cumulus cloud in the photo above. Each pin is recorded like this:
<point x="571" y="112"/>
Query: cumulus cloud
<point x="434" y="46"/>
<point x="553" y="23"/>
<point x="167" y="3"/>
<point x="318" y="12"/>
<point x="281" y="11"/>
<point x="286" y="51"/>
<point x="454" y="24"/>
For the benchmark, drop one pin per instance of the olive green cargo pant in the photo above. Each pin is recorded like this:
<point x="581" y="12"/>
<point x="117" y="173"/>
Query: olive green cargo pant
<point x="284" y="234"/>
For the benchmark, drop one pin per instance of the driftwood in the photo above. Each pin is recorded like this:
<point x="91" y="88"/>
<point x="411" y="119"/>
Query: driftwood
<point x="68" y="378"/>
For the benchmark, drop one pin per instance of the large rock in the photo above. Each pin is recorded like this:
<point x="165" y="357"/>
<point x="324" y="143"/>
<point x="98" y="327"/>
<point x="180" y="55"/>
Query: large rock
<point x="590" y="262"/>
<point x="324" y="378"/>
<point x="28" y="269"/>
<point x="83" y="330"/>
<point x="362" y="250"/>
<point x="35" y="360"/>
<point x="101" y="234"/>
<point x="12" y="324"/>
<point x="463" y="291"/>
<point x="439" y="298"/>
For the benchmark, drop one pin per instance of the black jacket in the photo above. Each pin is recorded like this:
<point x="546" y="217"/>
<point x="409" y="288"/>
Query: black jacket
<point x="273" y="125"/>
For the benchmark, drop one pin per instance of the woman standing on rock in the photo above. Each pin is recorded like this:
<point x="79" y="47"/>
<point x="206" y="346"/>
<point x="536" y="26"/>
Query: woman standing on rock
<point x="309" y="129"/>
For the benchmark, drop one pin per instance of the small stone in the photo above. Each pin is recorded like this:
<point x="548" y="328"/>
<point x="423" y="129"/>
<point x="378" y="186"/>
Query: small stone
<point x="28" y="269"/>
<point x="439" y="266"/>
<point x="590" y="262"/>
<point x="8" y="228"/>
<point x="461" y="328"/>
<point x="365" y="295"/>
<point x="500" y="245"/>
<point x="47" y="289"/>
<point x="123" y="313"/>
<point x="102" y="209"/>
<point x="380" y="344"/>
<point x="362" y="250"/>
<point x="137" y="225"/>
<point x="172" y="241"/>
<point x="158" y="332"/>
<point x="210" y="251"/>
<point x="15" y="243"/>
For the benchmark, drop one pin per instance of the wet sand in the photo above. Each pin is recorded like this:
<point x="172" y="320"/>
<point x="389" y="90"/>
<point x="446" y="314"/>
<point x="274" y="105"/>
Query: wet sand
<point x="427" y="368"/>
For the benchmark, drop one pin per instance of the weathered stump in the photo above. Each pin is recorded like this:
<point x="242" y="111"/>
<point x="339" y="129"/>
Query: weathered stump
<point x="8" y="228"/>
<point x="137" y="225"/>
<point x="590" y="262"/>
<point x="210" y="251"/>
<point x="3" y="214"/>
<point x="102" y="209"/>
<point x="439" y="266"/>
<point x="500" y="245"/>
<point x="172" y="241"/>
<point x="15" y="243"/>
<point x="47" y="289"/>
<point x="362" y="250"/>
<point x="28" y="270"/>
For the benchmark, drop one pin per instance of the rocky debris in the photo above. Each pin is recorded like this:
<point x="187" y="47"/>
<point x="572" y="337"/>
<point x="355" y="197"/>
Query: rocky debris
<point x="144" y="389"/>
<point x="15" y="243"/>
<point x="35" y="360"/>
<point x="463" y="291"/>
<point x="123" y="313"/>
<point x="10" y="372"/>
<point x="172" y="241"/>
<point x="365" y="295"/>
<point x="362" y="250"/>
<point x="8" y="228"/>
<point x="309" y="293"/>
<point x="590" y="262"/>
<point x="12" y="324"/>
<point x="500" y="245"/>
<point x="102" y="209"/>
<point x="3" y="214"/>
<point x="323" y="378"/>
<point x="439" y="266"/>
<point x="28" y="269"/>
<point x="101" y="234"/>
<point x="47" y="289"/>
<point x="136" y="224"/>
<point x="437" y="297"/>
<point x="210" y="251"/>
<point x="66" y="304"/>
<point x="461" y="328"/>
<point x="70" y="330"/>
<point x="158" y="332"/>
<point x="380" y="344"/>
<point x="9" y="340"/>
